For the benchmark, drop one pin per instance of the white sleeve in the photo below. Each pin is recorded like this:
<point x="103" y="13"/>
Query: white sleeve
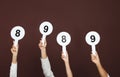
<point x="13" y="70"/>
<point x="108" y="75"/>
<point x="46" y="68"/>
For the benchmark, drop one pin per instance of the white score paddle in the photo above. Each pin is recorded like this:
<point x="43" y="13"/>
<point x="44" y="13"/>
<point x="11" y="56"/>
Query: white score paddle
<point x="63" y="39"/>
<point x="92" y="38"/>
<point x="45" y="29"/>
<point x="17" y="33"/>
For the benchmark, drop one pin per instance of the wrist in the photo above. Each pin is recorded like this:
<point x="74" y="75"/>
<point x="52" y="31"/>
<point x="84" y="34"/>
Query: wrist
<point x="66" y="62"/>
<point x="43" y="49"/>
<point x="14" y="55"/>
<point x="67" y="65"/>
<point x="43" y="54"/>
<point x="43" y="57"/>
<point x="98" y="64"/>
<point x="14" y="59"/>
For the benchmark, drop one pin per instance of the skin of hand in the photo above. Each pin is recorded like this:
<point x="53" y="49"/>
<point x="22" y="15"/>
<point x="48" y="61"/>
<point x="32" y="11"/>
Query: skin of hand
<point x="43" y="49"/>
<point x="67" y="64"/>
<point x="14" y="51"/>
<point x="95" y="59"/>
<point x="42" y="46"/>
<point x="65" y="58"/>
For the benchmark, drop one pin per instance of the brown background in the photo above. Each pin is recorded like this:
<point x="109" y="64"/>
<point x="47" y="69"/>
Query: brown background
<point x="74" y="16"/>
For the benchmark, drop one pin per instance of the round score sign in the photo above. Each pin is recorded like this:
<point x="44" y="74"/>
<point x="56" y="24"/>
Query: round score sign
<point x="92" y="38"/>
<point x="45" y="29"/>
<point x="17" y="33"/>
<point x="63" y="39"/>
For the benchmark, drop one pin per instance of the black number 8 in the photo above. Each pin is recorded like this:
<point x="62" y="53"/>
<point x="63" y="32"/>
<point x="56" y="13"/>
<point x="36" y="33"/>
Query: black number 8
<point x="92" y="37"/>
<point x="17" y="34"/>
<point x="63" y="38"/>
<point x="45" y="28"/>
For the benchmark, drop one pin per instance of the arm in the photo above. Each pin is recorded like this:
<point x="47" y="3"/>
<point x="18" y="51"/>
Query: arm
<point x="13" y="67"/>
<point x="45" y="61"/>
<point x="67" y="65"/>
<point x="95" y="59"/>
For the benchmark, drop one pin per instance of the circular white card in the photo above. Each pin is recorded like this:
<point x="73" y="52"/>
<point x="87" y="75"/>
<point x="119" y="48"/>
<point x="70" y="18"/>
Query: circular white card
<point x="17" y="32"/>
<point x="92" y="38"/>
<point x="63" y="38"/>
<point x="46" y="28"/>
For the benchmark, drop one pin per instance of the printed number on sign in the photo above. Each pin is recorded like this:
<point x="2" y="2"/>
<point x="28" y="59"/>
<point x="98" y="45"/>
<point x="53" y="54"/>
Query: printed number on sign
<point x="92" y="37"/>
<point x="63" y="38"/>
<point x="17" y="34"/>
<point x="45" y="28"/>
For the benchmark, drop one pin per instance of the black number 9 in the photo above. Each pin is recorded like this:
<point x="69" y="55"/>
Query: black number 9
<point x="92" y="37"/>
<point x="45" y="28"/>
